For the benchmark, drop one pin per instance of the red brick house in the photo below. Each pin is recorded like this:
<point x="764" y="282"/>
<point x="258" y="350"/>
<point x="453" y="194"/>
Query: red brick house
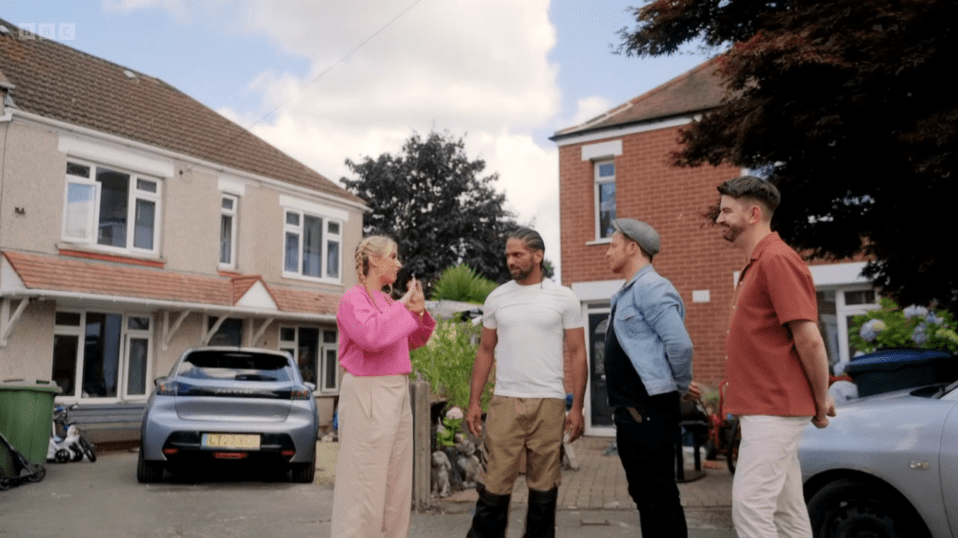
<point x="618" y="165"/>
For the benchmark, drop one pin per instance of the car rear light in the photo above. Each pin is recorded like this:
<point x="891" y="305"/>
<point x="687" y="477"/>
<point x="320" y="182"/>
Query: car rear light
<point x="230" y="455"/>
<point x="167" y="388"/>
<point x="301" y="393"/>
<point x="170" y="451"/>
<point x="176" y="388"/>
<point x="289" y="453"/>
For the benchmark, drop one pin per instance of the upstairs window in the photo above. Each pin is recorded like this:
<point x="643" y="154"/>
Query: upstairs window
<point x="228" y="208"/>
<point x="604" y="199"/>
<point x="312" y="246"/>
<point x="112" y="208"/>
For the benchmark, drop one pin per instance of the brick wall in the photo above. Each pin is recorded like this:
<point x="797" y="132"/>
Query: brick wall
<point x="672" y="200"/>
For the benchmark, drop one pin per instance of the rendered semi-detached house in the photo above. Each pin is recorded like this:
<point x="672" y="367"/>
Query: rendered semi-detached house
<point x="135" y="223"/>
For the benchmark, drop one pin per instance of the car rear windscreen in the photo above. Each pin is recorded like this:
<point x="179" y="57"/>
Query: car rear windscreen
<point x="235" y="365"/>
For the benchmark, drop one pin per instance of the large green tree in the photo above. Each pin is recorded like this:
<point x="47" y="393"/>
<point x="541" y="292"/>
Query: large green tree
<point x="845" y="105"/>
<point x="439" y="205"/>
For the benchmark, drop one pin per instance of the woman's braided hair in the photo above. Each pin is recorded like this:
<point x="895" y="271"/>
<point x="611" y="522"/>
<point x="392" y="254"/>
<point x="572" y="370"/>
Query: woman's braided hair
<point x="373" y="245"/>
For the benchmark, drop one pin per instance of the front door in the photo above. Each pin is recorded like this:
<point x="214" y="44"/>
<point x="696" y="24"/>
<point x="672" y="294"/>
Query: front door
<point x="598" y="413"/>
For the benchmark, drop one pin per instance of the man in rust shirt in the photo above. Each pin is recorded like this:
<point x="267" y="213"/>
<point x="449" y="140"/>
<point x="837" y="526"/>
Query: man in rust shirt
<point x="776" y="365"/>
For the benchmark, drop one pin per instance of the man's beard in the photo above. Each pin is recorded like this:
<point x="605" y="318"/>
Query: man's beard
<point x="520" y="274"/>
<point x="731" y="233"/>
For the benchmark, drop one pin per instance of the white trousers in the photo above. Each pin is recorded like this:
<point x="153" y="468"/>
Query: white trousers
<point x="373" y="491"/>
<point x="767" y="500"/>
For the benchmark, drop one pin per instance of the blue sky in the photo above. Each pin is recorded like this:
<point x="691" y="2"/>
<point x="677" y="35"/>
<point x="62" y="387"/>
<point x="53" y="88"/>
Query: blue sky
<point x="504" y="75"/>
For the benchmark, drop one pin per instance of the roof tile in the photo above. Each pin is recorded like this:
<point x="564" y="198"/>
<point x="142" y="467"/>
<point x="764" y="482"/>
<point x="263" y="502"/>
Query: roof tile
<point x="696" y="90"/>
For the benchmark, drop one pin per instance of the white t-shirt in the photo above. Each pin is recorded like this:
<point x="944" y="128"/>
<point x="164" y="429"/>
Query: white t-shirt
<point x="530" y="323"/>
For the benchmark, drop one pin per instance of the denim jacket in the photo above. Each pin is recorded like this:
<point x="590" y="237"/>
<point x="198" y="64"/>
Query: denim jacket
<point x="649" y="324"/>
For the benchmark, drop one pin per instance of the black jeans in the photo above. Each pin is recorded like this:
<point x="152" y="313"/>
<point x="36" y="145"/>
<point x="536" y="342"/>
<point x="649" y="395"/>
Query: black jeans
<point x="647" y="452"/>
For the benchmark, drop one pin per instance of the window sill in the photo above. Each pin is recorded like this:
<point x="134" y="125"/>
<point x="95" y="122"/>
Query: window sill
<point x="603" y="241"/>
<point x="85" y="251"/>
<point x="329" y="281"/>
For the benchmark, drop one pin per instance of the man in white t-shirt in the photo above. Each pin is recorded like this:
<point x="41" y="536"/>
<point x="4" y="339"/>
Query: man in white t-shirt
<point x="525" y="324"/>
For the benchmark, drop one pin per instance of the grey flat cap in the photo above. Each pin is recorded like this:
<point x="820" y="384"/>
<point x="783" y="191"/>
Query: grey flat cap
<point x="640" y="232"/>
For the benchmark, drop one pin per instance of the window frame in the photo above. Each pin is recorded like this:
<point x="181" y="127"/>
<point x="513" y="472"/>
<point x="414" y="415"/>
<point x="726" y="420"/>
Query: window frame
<point x="845" y="311"/>
<point x="326" y="237"/>
<point x="233" y="214"/>
<point x="598" y="182"/>
<point x="123" y="364"/>
<point x="89" y="238"/>
<point x="327" y="355"/>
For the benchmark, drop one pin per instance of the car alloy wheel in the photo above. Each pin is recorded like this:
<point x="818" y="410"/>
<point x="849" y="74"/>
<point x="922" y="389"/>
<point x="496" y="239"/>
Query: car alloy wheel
<point x="848" y="508"/>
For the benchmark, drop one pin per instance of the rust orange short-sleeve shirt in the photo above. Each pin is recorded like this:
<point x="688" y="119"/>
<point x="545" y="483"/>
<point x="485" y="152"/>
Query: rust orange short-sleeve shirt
<point x="763" y="369"/>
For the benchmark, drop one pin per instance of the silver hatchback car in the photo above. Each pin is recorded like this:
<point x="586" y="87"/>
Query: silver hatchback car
<point x="228" y="403"/>
<point x="886" y="467"/>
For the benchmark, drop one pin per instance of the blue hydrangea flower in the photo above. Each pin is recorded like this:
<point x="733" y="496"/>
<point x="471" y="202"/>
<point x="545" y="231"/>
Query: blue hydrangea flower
<point x="933" y="319"/>
<point x="918" y="335"/>
<point x="871" y="328"/>
<point x="915" y="312"/>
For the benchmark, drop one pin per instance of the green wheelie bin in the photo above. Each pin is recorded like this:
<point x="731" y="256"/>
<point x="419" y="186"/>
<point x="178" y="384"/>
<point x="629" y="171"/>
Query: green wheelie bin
<point x="26" y="416"/>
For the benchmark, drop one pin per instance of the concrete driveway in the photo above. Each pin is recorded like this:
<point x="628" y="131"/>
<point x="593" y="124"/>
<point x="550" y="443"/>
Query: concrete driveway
<point x="103" y="499"/>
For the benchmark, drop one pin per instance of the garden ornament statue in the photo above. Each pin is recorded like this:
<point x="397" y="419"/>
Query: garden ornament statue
<point x="440" y="474"/>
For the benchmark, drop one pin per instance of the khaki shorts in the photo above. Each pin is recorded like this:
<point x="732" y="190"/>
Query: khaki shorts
<point x="530" y="426"/>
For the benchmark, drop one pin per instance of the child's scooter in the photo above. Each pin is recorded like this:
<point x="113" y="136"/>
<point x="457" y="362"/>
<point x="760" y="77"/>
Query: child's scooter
<point x="73" y="445"/>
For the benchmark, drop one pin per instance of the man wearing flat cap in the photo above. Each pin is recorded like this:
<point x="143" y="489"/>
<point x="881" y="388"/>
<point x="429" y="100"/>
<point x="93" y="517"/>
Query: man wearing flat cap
<point x="648" y="365"/>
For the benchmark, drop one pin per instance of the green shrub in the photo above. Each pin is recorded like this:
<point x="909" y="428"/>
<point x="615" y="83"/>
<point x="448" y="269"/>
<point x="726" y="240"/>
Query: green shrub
<point x="461" y="283"/>
<point x="446" y="362"/>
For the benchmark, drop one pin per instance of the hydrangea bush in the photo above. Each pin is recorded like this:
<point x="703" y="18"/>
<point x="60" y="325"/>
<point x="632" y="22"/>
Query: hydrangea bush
<point x="895" y="327"/>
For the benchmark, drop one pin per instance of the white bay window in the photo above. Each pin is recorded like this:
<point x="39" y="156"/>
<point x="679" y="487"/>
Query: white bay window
<point x="102" y="355"/>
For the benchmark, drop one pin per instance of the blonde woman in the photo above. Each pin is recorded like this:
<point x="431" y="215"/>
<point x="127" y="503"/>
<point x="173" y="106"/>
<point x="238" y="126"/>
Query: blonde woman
<point x="373" y="491"/>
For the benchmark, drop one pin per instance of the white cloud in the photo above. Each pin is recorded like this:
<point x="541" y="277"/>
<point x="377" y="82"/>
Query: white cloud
<point x="476" y="68"/>
<point x="176" y="8"/>
<point x="587" y="109"/>
<point x="478" y="64"/>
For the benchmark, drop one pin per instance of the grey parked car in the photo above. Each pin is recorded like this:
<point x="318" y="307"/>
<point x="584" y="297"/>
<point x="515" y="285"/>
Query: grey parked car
<point x="886" y="466"/>
<point x="228" y="403"/>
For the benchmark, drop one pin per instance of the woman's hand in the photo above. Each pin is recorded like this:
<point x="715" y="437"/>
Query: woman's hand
<point x="414" y="299"/>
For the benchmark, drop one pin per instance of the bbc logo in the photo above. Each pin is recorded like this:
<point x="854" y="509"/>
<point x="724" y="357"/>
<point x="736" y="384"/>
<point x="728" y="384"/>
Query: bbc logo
<point x="63" y="31"/>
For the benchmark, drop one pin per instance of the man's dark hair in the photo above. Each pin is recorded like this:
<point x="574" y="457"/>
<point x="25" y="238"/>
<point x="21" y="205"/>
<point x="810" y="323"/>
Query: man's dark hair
<point x="754" y="188"/>
<point x="532" y="240"/>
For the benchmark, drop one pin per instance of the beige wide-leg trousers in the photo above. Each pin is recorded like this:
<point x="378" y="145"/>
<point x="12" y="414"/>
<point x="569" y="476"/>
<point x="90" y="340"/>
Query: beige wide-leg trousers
<point x="767" y="500"/>
<point x="373" y="492"/>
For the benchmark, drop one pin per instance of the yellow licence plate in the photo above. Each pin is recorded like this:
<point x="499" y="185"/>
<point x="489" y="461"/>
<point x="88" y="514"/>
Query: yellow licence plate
<point x="230" y="440"/>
